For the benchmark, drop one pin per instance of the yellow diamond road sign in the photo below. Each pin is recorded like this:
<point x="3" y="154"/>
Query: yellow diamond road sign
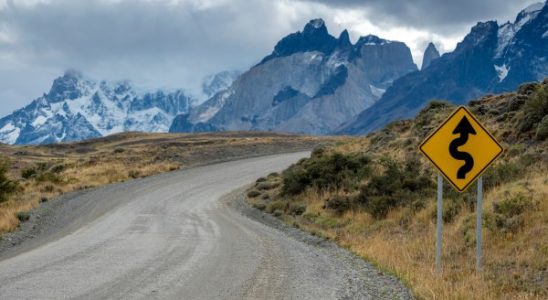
<point x="461" y="148"/>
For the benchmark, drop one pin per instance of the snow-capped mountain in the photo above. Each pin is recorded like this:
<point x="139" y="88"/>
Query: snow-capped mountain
<point x="212" y="84"/>
<point x="491" y="58"/>
<point x="310" y="83"/>
<point x="79" y="108"/>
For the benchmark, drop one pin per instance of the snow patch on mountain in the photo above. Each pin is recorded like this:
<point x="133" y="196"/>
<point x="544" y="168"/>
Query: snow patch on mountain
<point x="377" y="92"/>
<point x="78" y="108"/>
<point x="508" y="30"/>
<point x="502" y="71"/>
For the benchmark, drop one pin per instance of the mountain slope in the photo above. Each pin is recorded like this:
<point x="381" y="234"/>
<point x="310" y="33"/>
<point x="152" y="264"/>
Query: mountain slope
<point x="310" y="83"/>
<point x="491" y="58"/>
<point x="77" y="108"/>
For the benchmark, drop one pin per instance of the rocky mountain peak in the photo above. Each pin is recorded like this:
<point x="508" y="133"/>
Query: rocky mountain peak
<point x="315" y="26"/>
<point x="430" y="54"/>
<point x="344" y="39"/>
<point x="65" y="87"/>
<point x="314" y="37"/>
<point x="372" y="40"/>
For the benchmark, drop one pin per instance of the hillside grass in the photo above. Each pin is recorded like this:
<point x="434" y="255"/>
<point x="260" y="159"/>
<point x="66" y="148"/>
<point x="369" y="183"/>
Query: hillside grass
<point x="375" y="195"/>
<point x="30" y="175"/>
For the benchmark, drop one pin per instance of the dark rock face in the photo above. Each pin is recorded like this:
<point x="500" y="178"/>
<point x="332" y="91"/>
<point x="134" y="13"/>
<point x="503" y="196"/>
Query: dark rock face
<point x="311" y="83"/>
<point x="65" y="87"/>
<point x="430" y="54"/>
<point x="383" y="61"/>
<point x="491" y="58"/>
<point x="314" y="37"/>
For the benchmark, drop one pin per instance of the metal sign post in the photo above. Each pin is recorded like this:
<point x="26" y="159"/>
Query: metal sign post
<point x="439" y="224"/>
<point x="461" y="149"/>
<point x="479" y="209"/>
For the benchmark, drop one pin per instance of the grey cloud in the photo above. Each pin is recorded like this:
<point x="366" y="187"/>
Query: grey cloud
<point x="437" y="15"/>
<point x="176" y="43"/>
<point x="156" y="44"/>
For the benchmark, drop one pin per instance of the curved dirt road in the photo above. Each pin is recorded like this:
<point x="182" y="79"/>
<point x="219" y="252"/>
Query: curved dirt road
<point x="169" y="237"/>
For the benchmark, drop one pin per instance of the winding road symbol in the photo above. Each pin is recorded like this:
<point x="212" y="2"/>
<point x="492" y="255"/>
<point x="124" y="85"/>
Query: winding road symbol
<point x="461" y="148"/>
<point x="464" y="128"/>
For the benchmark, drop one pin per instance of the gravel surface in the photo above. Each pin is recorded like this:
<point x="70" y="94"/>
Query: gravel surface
<point x="169" y="237"/>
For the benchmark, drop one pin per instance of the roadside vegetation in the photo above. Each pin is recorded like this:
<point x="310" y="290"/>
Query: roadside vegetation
<point x="375" y="195"/>
<point x="30" y="175"/>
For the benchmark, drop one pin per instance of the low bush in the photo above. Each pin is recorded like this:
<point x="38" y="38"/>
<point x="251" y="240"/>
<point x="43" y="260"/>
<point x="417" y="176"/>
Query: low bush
<point x="23" y="216"/>
<point x="542" y="129"/>
<point x="513" y="206"/>
<point x="27" y="173"/>
<point x="339" y="203"/>
<point x="296" y="209"/>
<point x="508" y="213"/>
<point x="7" y="186"/>
<point x="267" y="185"/>
<point x="259" y="206"/>
<point x="49" y="177"/>
<point x="58" y="168"/>
<point x="260" y="179"/>
<point x="326" y="172"/>
<point x="536" y="107"/>
<point x="276" y="205"/>
<point x="134" y="174"/>
<point x="399" y="185"/>
<point x="253" y="193"/>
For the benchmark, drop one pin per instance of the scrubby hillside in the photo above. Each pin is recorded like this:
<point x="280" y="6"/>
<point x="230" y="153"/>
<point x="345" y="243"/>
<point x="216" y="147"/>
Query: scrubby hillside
<point x="30" y="175"/>
<point x="376" y="196"/>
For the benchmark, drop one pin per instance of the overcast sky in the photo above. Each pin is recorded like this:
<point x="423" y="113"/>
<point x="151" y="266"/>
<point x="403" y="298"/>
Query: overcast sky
<point x="175" y="43"/>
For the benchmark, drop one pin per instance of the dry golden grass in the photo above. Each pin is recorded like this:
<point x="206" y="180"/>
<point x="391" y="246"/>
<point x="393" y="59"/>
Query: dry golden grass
<point x="125" y="156"/>
<point x="515" y="248"/>
<point x="515" y="264"/>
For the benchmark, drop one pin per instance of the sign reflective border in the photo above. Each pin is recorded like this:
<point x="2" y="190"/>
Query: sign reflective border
<point x="461" y="148"/>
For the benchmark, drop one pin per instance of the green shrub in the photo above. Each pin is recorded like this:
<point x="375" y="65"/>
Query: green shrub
<point x="513" y="206"/>
<point x="23" y="216"/>
<point x="542" y="129"/>
<point x="451" y="209"/>
<point x="327" y="171"/>
<point x="49" y="177"/>
<point x="253" y="193"/>
<point x="297" y="209"/>
<point x="267" y="185"/>
<point x="58" y="168"/>
<point x="276" y="205"/>
<point x="535" y="109"/>
<point x="339" y="203"/>
<point x="259" y="206"/>
<point x="28" y="173"/>
<point x="134" y="174"/>
<point x="508" y="213"/>
<point x="398" y="185"/>
<point x="119" y="150"/>
<point x="7" y="186"/>
<point x="48" y="188"/>
<point x="295" y="180"/>
<point x="260" y="179"/>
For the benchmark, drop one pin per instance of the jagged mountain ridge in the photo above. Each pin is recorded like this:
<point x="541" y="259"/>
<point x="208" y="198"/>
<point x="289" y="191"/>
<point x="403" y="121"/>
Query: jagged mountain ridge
<point x="430" y="54"/>
<point x="310" y="83"/>
<point x="491" y="58"/>
<point x="78" y="108"/>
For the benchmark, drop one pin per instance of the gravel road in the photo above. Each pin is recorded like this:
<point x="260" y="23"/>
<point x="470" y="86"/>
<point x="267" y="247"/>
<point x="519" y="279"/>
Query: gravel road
<point x="174" y="236"/>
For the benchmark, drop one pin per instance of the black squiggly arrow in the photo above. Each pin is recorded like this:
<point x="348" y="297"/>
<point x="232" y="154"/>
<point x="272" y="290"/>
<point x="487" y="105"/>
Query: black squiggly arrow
<point x="464" y="128"/>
